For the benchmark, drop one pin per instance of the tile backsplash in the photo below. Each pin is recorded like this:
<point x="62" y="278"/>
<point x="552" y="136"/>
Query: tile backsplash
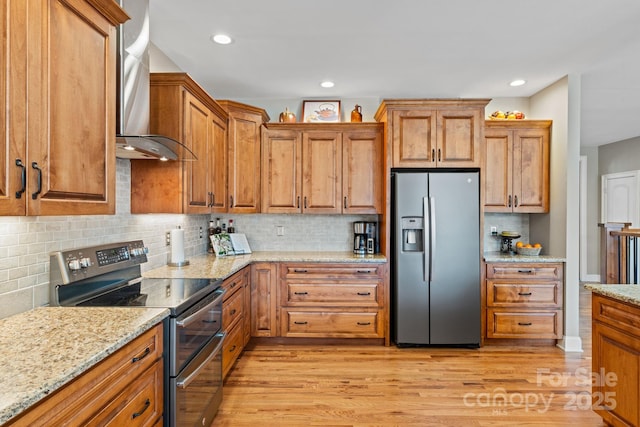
<point x="504" y="222"/>
<point x="26" y="242"/>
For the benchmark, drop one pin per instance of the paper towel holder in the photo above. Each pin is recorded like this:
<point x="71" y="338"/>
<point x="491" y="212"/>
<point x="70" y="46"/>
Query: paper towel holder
<point x="177" y="243"/>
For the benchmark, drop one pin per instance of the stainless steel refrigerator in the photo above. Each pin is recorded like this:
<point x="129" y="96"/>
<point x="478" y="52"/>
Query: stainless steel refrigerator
<point x="435" y="264"/>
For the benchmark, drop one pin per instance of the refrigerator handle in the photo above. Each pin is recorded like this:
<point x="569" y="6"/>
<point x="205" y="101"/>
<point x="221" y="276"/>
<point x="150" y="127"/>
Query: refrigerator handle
<point x="426" y="261"/>
<point x="432" y="233"/>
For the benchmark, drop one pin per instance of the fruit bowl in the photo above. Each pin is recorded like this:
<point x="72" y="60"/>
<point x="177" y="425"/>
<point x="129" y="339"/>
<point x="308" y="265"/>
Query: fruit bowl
<point x="529" y="251"/>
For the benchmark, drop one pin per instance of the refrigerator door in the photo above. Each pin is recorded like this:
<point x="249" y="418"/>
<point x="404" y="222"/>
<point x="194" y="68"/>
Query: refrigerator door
<point x="454" y="289"/>
<point x="410" y="259"/>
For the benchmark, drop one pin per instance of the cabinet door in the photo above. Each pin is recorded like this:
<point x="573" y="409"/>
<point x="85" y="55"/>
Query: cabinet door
<point x="218" y="164"/>
<point x="264" y="299"/>
<point x="362" y="179"/>
<point x="281" y="172"/>
<point x="531" y="171"/>
<point x="244" y="163"/>
<point x="458" y="138"/>
<point x="71" y="109"/>
<point x="414" y="138"/>
<point x="13" y="120"/>
<point x="196" y="138"/>
<point x="322" y="172"/>
<point x="498" y="170"/>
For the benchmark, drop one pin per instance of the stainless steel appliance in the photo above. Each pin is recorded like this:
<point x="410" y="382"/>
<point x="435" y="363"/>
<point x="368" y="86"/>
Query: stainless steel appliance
<point x="110" y="275"/>
<point x="435" y="238"/>
<point x="365" y="237"/>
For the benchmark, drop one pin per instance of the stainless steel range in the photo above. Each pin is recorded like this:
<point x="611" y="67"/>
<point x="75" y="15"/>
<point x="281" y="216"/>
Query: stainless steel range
<point x="110" y="275"/>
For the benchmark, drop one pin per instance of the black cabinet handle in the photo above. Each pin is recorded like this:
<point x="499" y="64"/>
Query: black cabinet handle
<point x="363" y="271"/>
<point x="439" y="154"/>
<point x="345" y="202"/>
<point x="509" y="205"/>
<point x="233" y="312"/>
<point x="232" y="349"/>
<point x="305" y="202"/>
<point x="433" y="154"/>
<point x="301" y="293"/>
<point x="135" y="415"/>
<point x="23" y="178"/>
<point x="296" y="270"/>
<point x="232" y="285"/>
<point x="231" y="198"/>
<point x="144" y="354"/>
<point x="515" y="201"/>
<point x="526" y="271"/>
<point x="364" y="294"/>
<point x="524" y="323"/>
<point x="35" y="166"/>
<point x="364" y="323"/>
<point x="524" y="294"/>
<point x="300" y="323"/>
<point x="298" y="202"/>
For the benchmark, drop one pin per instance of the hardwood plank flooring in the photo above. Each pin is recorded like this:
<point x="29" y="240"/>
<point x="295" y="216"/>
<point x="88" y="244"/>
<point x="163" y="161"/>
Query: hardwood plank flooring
<point x="356" y="385"/>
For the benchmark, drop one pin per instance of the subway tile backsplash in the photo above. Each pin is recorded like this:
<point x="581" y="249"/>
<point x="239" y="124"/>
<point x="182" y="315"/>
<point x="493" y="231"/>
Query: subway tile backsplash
<point x="26" y="242"/>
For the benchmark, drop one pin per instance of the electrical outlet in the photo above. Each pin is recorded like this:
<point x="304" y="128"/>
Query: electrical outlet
<point x="280" y="230"/>
<point x="168" y="238"/>
<point x="494" y="230"/>
<point x="200" y="233"/>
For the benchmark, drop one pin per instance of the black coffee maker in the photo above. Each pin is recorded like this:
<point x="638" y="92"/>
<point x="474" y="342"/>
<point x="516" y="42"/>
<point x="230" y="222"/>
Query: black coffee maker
<point x="365" y="238"/>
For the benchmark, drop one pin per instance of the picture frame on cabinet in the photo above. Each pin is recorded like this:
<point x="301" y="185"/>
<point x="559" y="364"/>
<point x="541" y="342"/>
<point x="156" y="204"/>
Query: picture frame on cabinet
<point x="321" y="111"/>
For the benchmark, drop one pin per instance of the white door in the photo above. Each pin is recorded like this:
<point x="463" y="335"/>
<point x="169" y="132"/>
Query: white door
<point x="620" y="201"/>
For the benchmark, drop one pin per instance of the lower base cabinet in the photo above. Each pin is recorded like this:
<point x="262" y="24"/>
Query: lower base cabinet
<point x="234" y="312"/>
<point x="616" y="361"/>
<point x="123" y="389"/>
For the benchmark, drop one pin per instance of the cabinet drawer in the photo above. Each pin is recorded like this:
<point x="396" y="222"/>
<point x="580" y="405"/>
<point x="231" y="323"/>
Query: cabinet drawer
<point x="617" y="314"/>
<point x="329" y="271"/>
<point x="232" y="310"/>
<point x="524" y="324"/>
<point x="524" y="271"/>
<point x="234" y="283"/>
<point x="336" y="324"/>
<point x="231" y="348"/>
<point x="519" y="294"/>
<point x="332" y="294"/>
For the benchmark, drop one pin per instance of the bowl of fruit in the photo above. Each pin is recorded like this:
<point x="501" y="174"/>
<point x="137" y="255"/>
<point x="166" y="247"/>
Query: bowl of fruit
<point x="528" y="249"/>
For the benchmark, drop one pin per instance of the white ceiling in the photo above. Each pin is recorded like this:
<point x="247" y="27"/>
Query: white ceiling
<point x="415" y="49"/>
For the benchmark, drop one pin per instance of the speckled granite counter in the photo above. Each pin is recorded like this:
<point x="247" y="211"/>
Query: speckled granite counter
<point x="209" y="266"/>
<point x="501" y="257"/>
<point x="625" y="293"/>
<point x="43" y="349"/>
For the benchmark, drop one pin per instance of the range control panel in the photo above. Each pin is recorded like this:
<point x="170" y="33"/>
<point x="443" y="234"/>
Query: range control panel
<point x="78" y="264"/>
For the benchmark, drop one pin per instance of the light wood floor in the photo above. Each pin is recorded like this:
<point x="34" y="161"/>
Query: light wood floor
<point x="305" y="385"/>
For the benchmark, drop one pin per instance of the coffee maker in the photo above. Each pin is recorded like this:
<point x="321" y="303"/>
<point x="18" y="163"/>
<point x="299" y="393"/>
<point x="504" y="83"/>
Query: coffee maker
<point x="365" y="238"/>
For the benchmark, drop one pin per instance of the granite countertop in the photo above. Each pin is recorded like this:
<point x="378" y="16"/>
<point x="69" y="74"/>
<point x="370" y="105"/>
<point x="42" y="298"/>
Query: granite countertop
<point x="210" y="266"/>
<point x="502" y="257"/>
<point x="625" y="293"/>
<point x="44" y="348"/>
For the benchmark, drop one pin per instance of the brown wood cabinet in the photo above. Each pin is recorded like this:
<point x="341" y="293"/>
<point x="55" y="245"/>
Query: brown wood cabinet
<point x="427" y="133"/>
<point x="245" y="129"/>
<point x="524" y="300"/>
<point x="124" y="389"/>
<point x="264" y="299"/>
<point x="58" y="64"/>
<point x="516" y="166"/>
<point x="310" y="168"/>
<point x="616" y="361"/>
<point x="183" y="111"/>
<point x="234" y="313"/>
<point x="325" y="300"/>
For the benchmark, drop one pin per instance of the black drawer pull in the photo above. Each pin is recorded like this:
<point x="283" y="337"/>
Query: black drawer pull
<point x="142" y="356"/>
<point x="526" y="271"/>
<point x="364" y="294"/>
<point x="364" y="323"/>
<point x="23" y="178"/>
<point x="300" y="323"/>
<point x="524" y="294"/>
<point x="363" y="271"/>
<point x="296" y="270"/>
<point x="232" y="285"/>
<point x="525" y="323"/>
<point x="135" y="415"/>
<point x="35" y="166"/>
<point x="233" y="312"/>
<point x="232" y="349"/>
<point x="301" y="293"/>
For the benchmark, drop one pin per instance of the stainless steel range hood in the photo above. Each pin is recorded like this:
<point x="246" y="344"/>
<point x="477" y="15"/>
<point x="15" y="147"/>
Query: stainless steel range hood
<point x="132" y="134"/>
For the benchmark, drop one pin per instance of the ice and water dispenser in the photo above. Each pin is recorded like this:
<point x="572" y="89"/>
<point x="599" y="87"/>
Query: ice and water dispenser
<point x="412" y="233"/>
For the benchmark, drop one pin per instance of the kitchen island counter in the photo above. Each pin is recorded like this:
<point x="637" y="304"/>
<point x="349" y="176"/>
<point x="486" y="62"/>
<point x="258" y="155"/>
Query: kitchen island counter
<point x="210" y="266"/>
<point x="43" y="349"/>
<point x="624" y="293"/>
<point x="502" y="257"/>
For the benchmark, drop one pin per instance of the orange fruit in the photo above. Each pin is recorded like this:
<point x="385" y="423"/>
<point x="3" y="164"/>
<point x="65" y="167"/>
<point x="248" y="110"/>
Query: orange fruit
<point x="537" y="245"/>
<point x="519" y="245"/>
<point x="528" y="245"/>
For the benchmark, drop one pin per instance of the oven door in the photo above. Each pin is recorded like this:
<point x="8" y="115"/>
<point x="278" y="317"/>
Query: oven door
<point x="196" y="393"/>
<point x="191" y="330"/>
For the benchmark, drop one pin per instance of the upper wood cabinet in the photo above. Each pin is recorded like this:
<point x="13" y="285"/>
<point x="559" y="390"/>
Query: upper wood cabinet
<point x="322" y="168"/>
<point x="427" y="133"/>
<point x="182" y="110"/>
<point x="245" y="124"/>
<point x="57" y="65"/>
<point x="516" y="171"/>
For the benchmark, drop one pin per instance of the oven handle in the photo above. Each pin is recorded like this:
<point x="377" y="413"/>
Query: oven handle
<point x="184" y="383"/>
<point x="189" y="319"/>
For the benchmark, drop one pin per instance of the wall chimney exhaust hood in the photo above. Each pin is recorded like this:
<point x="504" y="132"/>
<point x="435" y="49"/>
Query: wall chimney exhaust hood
<point x="132" y="117"/>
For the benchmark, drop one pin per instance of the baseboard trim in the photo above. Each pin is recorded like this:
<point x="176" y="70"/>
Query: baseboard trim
<point x="570" y="344"/>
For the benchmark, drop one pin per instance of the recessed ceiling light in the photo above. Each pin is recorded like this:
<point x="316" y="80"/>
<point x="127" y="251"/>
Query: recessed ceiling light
<point x="518" y="82"/>
<point x="221" y="38"/>
<point x="327" y="84"/>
